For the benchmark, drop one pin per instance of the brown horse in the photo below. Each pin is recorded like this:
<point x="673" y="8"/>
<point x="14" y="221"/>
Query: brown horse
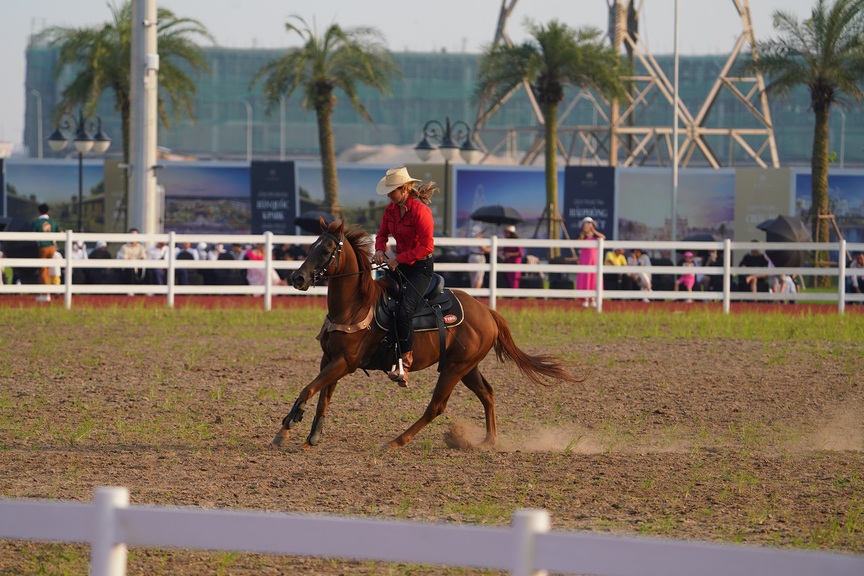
<point x="350" y="337"/>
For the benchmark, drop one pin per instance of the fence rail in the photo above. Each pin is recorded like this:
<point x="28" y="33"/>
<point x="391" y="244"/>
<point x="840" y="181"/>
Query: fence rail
<point x="527" y="547"/>
<point x="839" y="272"/>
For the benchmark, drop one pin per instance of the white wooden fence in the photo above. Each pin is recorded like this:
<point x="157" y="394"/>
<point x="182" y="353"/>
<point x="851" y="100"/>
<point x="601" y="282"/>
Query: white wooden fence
<point x="725" y="250"/>
<point x="109" y="524"/>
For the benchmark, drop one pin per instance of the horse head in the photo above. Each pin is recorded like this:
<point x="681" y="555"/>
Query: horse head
<point x="324" y="255"/>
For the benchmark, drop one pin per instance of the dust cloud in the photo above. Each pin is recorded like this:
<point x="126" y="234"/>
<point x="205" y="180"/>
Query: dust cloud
<point x="843" y="429"/>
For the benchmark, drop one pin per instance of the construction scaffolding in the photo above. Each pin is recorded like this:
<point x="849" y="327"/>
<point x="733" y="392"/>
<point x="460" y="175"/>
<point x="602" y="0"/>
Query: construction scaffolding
<point x="619" y="135"/>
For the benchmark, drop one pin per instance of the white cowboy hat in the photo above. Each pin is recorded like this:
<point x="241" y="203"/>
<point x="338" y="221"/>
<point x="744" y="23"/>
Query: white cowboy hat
<point x="395" y="178"/>
<point x="511" y="228"/>
<point x="585" y="220"/>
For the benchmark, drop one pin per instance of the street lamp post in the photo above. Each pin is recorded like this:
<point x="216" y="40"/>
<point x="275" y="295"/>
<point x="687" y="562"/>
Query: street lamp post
<point x="444" y="138"/>
<point x="84" y="140"/>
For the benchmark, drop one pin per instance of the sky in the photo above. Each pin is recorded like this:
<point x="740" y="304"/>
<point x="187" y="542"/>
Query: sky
<point x="705" y="26"/>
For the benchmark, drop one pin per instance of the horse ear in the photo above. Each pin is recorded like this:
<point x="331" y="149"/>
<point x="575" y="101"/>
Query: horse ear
<point x="322" y="223"/>
<point x="341" y="227"/>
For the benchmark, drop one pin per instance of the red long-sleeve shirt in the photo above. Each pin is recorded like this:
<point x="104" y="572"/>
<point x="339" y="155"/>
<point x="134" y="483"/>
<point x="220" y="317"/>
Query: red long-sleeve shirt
<point x="412" y="231"/>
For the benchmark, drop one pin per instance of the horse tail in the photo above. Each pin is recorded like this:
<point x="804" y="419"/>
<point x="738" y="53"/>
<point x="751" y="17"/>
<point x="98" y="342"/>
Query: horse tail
<point x="533" y="367"/>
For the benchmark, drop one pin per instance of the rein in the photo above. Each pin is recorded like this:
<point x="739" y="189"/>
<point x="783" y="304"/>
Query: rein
<point x="321" y="273"/>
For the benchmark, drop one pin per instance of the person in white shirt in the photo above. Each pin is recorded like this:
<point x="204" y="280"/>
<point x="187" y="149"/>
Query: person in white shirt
<point x="158" y="251"/>
<point x="79" y="250"/>
<point x="639" y="258"/>
<point x="133" y="250"/>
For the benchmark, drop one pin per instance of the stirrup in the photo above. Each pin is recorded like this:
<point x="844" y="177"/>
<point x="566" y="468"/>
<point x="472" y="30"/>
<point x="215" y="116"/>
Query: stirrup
<point x="397" y="374"/>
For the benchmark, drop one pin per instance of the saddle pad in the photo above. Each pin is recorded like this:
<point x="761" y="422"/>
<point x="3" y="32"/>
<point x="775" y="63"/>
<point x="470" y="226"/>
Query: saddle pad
<point x="425" y="318"/>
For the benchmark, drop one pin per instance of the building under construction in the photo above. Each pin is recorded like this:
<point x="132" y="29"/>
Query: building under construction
<point x="724" y="117"/>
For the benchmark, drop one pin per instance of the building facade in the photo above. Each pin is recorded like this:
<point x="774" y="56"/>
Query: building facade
<point x="432" y="86"/>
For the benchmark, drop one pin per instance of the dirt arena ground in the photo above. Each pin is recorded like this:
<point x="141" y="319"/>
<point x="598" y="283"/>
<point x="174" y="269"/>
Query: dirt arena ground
<point x="722" y="440"/>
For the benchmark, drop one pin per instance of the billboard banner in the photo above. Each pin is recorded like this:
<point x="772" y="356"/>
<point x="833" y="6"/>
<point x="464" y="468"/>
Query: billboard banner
<point x="273" y="197"/>
<point x="56" y="182"/>
<point x="589" y="191"/>
<point x="521" y="188"/>
<point x="360" y="204"/>
<point x="760" y="194"/>
<point x="206" y="197"/>
<point x="705" y="204"/>
<point x="845" y="202"/>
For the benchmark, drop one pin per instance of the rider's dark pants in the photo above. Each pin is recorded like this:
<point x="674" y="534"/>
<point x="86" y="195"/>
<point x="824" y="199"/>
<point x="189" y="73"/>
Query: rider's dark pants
<point x="416" y="280"/>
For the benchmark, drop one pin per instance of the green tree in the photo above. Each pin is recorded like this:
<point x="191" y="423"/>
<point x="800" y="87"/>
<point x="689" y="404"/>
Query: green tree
<point x="99" y="57"/>
<point x="337" y="60"/>
<point x="825" y="53"/>
<point x="554" y="58"/>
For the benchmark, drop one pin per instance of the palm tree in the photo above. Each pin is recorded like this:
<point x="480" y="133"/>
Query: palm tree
<point x="337" y="60"/>
<point x="554" y="58"/>
<point x="825" y="53"/>
<point x="100" y="59"/>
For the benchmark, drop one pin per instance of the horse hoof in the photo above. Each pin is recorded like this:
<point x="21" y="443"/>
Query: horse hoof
<point x="280" y="437"/>
<point x="306" y="446"/>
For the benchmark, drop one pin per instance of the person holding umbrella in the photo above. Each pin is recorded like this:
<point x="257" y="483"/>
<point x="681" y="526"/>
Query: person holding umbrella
<point x="408" y="219"/>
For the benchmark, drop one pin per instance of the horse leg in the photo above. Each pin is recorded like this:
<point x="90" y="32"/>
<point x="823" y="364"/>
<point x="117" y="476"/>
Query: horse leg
<point x="443" y="390"/>
<point x="329" y="375"/>
<point x="324" y="396"/>
<point x="477" y="383"/>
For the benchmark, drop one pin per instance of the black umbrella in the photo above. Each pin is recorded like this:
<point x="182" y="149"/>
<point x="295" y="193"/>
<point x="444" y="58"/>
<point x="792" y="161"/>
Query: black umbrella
<point x="308" y="221"/>
<point x="785" y="229"/>
<point x="497" y="214"/>
<point x="703" y="237"/>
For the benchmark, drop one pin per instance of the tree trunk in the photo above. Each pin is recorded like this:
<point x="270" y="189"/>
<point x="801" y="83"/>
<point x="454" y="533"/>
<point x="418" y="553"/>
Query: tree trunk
<point x="550" y="118"/>
<point x="819" y="175"/>
<point x="324" y="111"/>
<point x="819" y="186"/>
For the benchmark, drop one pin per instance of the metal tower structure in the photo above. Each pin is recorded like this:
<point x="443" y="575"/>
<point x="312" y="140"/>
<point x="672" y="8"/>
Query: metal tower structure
<point x="616" y="136"/>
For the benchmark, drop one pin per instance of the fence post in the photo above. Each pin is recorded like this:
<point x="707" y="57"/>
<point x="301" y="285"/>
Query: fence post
<point x="599" y="285"/>
<point x="268" y="270"/>
<point x="67" y="295"/>
<point x="527" y="524"/>
<point x="727" y="275"/>
<point x="841" y="277"/>
<point x="107" y="555"/>
<point x="169" y="281"/>
<point x="493" y="272"/>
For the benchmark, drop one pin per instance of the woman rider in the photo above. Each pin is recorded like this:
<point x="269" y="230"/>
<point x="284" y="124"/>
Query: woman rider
<point x="408" y="219"/>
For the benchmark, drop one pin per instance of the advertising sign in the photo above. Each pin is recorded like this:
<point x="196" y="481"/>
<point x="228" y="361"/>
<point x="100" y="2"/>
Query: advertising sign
<point x="206" y="197"/>
<point x="589" y="191"/>
<point x="273" y="197"/>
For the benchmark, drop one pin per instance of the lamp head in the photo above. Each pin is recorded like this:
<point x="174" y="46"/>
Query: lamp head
<point x="424" y="149"/>
<point x="57" y="141"/>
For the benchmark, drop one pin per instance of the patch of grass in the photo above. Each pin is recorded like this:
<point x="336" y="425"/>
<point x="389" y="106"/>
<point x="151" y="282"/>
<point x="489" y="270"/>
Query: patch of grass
<point x="699" y="324"/>
<point x="488" y="511"/>
<point x="81" y="432"/>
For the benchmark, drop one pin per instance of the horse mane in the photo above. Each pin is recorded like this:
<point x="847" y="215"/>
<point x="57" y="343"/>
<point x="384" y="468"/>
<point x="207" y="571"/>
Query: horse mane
<point x="370" y="290"/>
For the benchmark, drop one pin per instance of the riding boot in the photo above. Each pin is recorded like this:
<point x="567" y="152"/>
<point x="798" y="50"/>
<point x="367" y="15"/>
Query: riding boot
<point x="402" y="378"/>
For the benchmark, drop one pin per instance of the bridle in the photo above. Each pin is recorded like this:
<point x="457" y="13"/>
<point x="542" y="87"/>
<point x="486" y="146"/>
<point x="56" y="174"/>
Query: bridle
<point x="319" y="273"/>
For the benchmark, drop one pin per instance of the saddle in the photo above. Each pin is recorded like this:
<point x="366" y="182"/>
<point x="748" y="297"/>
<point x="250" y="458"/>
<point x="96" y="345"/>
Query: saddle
<point x="437" y="301"/>
<point x="440" y="310"/>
